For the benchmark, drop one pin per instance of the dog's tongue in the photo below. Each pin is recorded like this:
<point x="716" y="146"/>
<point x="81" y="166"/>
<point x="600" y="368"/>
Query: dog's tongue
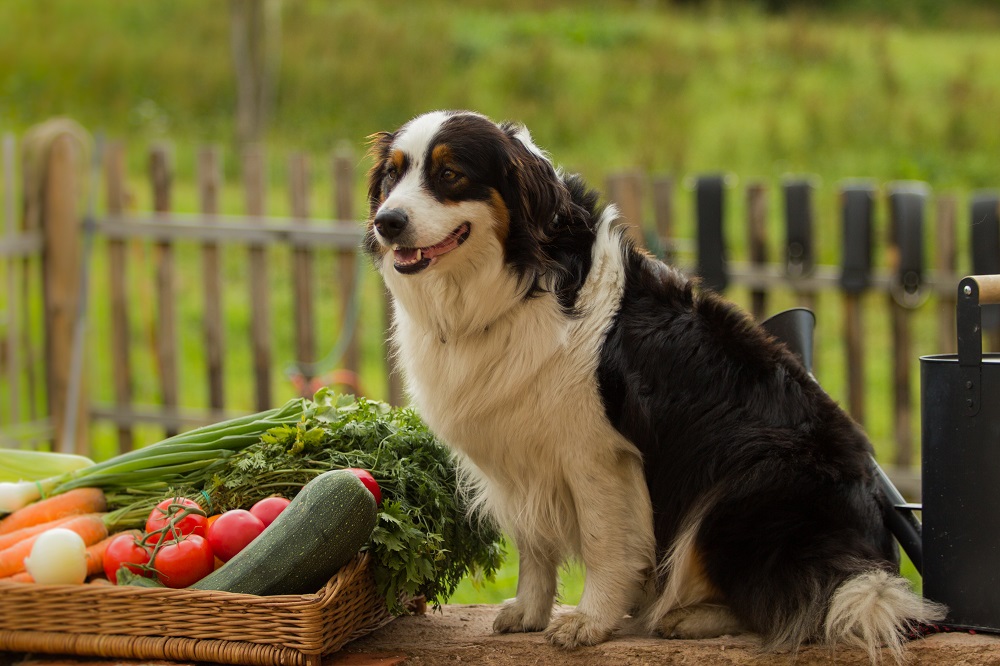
<point x="447" y="245"/>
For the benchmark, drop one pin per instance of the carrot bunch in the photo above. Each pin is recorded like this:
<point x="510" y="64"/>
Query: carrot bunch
<point x="81" y="510"/>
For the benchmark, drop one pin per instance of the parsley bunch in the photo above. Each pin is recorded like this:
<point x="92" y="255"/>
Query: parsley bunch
<point x="424" y="542"/>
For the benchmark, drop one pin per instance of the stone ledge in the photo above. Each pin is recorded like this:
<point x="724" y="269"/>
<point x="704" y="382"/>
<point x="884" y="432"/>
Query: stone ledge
<point x="463" y="634"/>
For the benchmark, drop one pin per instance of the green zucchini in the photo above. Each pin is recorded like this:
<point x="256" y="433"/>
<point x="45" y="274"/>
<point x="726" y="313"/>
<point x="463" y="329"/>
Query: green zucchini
<point x="325" y="526"/>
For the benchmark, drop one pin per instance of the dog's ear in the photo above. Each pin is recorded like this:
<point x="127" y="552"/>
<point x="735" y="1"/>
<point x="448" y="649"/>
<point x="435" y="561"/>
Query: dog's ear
<point x="378" y="148"/>
<point x="533" y="187"/>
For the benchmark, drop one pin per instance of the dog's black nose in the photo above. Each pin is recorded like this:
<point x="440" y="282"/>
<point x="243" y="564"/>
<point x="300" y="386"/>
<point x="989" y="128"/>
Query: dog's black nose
<point x="390" y="222"/>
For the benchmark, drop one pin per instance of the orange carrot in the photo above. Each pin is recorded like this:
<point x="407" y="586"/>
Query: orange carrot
<point x="89" y="526"/>
<point x="95" y="553"/>
<point x="70" y="503"/>
<point x="9" y="539"/>
<point x="21" y="577"/>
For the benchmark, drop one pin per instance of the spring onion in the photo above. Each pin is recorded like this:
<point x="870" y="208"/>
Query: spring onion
<point x="131" y="478"/>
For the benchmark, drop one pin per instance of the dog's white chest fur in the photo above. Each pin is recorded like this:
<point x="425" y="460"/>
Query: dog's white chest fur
<point x="518" y="398"/>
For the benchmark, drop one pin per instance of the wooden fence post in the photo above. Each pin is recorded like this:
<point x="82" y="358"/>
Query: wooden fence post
<point x="663" y="215"/>
<point x="61" y="151"/>
<point x="343" y="210"/>
<point x="857" y="203"/>
<point x="302" y="271"/>
<point x="11" y="352"/>
<point x="255" y="186"/>
<point x="757" y="241"/>
<point x="947" y="215"/>
<point x="209" y="184"/>
<point x="161" y="176"/>
<point x="118" y="292"/>
<point x="625" y="189"/>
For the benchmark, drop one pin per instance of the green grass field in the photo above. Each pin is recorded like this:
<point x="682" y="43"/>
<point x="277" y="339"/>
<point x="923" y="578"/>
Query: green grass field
<point x="603" y="86"/>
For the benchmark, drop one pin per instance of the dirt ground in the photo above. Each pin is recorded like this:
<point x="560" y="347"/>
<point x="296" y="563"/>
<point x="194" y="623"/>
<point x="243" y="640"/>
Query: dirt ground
<point x="463" y="635"/>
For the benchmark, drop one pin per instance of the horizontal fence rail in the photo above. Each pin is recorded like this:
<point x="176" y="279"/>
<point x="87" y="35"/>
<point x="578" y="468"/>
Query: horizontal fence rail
<point x="252" y="296"/>
<point x="234" y="229"/>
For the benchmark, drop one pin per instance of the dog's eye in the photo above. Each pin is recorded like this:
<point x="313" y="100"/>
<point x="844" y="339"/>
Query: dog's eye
<point x="449" y="175"/>
<point x="390" y="175"/>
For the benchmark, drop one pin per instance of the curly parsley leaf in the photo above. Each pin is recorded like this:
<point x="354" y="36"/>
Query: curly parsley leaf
<point x="425" y="541"/>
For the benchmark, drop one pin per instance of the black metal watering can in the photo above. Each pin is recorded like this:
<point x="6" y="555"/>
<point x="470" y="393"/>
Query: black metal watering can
<point x="957" y="548"/>
<point x="960" y="415"/>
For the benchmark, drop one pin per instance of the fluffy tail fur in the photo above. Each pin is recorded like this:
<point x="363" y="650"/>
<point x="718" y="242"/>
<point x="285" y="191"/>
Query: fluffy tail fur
<point x="874" y="609"/>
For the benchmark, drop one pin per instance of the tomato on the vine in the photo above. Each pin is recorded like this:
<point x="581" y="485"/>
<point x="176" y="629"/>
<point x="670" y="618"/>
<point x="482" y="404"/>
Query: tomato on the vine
<point x="268" y="508"/>
<point x="232" y="531"/>
<point x="124" y="551"/>
<point x="170" y="511"/>
<point x="180" y="563"/>
<point x="370" y="483"/>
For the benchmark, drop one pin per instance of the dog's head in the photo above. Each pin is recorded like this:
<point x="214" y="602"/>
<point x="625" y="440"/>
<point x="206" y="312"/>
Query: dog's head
<point x="451" y="192"/>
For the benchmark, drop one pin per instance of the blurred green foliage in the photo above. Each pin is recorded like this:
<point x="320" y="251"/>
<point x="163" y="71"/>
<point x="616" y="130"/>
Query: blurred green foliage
<point x="857" y="88"/>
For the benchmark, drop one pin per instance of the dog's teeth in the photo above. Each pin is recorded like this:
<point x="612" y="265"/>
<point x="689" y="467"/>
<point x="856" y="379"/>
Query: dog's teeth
<point x="420" y="255"/>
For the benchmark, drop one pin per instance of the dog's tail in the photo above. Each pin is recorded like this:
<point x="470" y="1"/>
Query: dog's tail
<point x="875" y="609"/>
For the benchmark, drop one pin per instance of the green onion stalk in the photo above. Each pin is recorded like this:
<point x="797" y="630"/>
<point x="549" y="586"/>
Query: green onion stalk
<point x="133" y="480"/>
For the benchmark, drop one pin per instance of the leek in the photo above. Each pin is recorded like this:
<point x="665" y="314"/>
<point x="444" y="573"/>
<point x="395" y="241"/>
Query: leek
<point x="24" y="465"/>
<point x="25" y="476"/>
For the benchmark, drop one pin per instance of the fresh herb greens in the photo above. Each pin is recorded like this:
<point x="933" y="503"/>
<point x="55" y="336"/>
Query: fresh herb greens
<point x="424" y="541"/>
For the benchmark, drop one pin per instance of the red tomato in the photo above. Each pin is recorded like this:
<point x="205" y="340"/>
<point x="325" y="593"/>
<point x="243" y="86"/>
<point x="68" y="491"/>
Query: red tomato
<point x="268" y="508"/>
<point x="369" y="481"/>
<point x="169" y="511"/>
<point x="124" y="550"/>
<point x="182" y="563"/>
<point x="232" y="531"/>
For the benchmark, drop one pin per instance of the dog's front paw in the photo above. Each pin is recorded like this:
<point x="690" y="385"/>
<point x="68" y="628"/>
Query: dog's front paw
<point x="576" y="629"/>
<point x="515" y="618"/>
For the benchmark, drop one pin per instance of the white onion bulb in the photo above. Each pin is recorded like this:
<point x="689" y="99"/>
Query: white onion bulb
<point x="58" y="557"/>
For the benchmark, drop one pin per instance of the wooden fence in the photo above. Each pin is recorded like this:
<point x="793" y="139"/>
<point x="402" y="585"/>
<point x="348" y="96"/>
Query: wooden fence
<point x="73" y="273"/>
<point x="116" y="277"/>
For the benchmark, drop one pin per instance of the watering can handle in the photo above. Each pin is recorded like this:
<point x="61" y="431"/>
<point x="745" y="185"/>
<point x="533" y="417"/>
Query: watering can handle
<point x="973" y="291"/>
<point x="987" y="286"/>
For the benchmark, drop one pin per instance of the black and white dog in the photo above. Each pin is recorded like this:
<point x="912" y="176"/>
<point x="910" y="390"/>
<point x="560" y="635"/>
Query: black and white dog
<point x="603" y="408"/>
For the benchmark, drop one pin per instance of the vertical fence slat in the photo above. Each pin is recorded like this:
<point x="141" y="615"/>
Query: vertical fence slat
<point x="11" y="349"/>
<point x="61" y="230"/>
<point x="302" y="259"/>
<point x="947" y="215"/>
<point x="905" y="258"/>
<point x="255" y="183"/>
<point x="902" y="408"/>
<point x="209" y="183"/>
<point x="161" y="177"/>
<point x="857" y="199"/>
<point x="663" y="215"/>
<point x="757" y="241"/>
<point x="343" y="210"/>
<point x="625" y="189"/>
<point x="33" y="359"/>
<point x="121" y="367"/>
<point x="854" y="351"/>
<point x="395" y="378"/>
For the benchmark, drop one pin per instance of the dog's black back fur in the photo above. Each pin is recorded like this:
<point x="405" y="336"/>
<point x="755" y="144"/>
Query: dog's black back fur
<point x="726" y="418"/>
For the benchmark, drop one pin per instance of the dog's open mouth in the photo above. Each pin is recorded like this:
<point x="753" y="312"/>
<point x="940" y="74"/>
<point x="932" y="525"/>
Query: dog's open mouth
<point x="410" y="260"/>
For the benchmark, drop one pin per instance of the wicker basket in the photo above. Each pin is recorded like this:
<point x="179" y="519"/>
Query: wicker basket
<point x="156" y="623"/>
